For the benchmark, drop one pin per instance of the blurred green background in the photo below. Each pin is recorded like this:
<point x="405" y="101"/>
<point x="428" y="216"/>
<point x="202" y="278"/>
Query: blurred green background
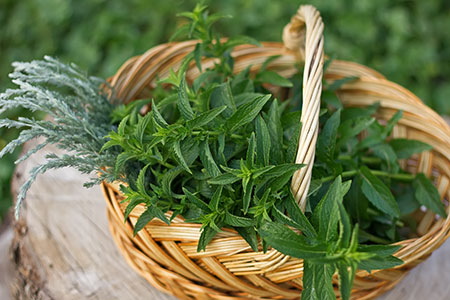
<point x="407" y="41"/>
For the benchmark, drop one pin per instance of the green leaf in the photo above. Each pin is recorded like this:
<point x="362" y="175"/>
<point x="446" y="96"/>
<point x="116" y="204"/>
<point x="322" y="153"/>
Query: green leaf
<point x="327" y="138"/>
<point x="288" y="242"/>
<point x="205" y="237"/>
<point x="346" y="278"/>
<point x="248" y="190"/>
<point x="337" y="84"/>
<point x="222" y="96"/>
<point x="121" y="159"/>
<point x="198" y="56"/>
<point x="205" y="118"/>
<point x="292" y="148"/>
<point x="379" y="250"/>
<point x="237" y="221"/>
<point x="354" y="126"/>
<point x="427" y="194"/>
<point x="405" y="148"/>
<point x="183" y="101"/>
<point x="282" y="170"/>
<point x="392" y="122"/>
<point x="273" y="78"/>
<point x="143" y="220"/>
<point x="273" y="122"/>
<point x="296" y="218"/>
<point x="378" y="193"/>
<point x="249" y="235"/>
<point x="246" y="113"/>
<point x="208" y="160"/>
<point x="140" y="183"/>
<point x="345" y="226"/>
<point x="158" y="117"/>
<point x="215" y="200"/>
<point x="379" y="263"/>
<point x="179" y="156"/>
<point x="262" y="141"/>
<point x="326" y="213"/>
<point x="250" y="157"/>
<point x="224" y="179"/>
<point x="387" y="154"/>
<point x="317" y="282"/>
<point x="158" y="213"/>
<point x="133" y="203"/>
<point x="196" y="201"/>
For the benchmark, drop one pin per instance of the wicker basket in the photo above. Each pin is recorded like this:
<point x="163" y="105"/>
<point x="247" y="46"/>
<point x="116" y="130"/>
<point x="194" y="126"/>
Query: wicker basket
<point x="166" y="255"/>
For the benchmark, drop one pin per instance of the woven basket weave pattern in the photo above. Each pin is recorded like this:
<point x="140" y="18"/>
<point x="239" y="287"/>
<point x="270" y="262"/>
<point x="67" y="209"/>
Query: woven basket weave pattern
<point x="166" y="255"/>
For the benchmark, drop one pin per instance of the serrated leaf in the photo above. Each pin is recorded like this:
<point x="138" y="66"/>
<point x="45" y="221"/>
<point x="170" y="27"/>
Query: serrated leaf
<point x="379" y="250"/>
<point x="143" y="220"/>
<point x="224" y="179"/>
<point x="392" y="122"/>
<point x="196" y="201"/>
<point x="198" y="56"/>
<point x="337" y="84"/>
<point x="276" y="133"/>
<point x="262" y="141"/>
<point x="288" y="242"/>
<point x="215" y="199"/>
<point x="168" y="178"/>
<point x="282" y="170"/>
<point x="273" y="78"/>
<point x="183" y="101"/>
<point x="379" y="263"/>
<point x="387" y="154"/>
<point x="158" y="213"/>
<point x="121" y="159"/>
<point x="326" y="213"/>
<point x="246" y="113"/>
<point x="405" y="148"/>
<point x="205" y="118"/>
<point x="249" y="235"/>
<point x="158" y="117"/>
<point x="180" y="157"/>
<point x="140" y="183"/>
<point x="122" y="125"/>
<point x="222" y="96"/>
<point x="346" y="278"/>
<point x="327" y="139"/>
<point x="345" y="226"/>
<point x="317" y="282"/>
<point x="427" y="194"/>
<point x="205" y="237"/>
<point x="251" y="150"/>
<point x="133" y="203"/>
<point x="208" y="160"/>
<point x="248" y="191"/>
<point x="237" y="221"/>
<point x="378" y="193"/>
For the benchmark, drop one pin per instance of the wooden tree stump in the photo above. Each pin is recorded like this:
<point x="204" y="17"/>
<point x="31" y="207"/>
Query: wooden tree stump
<point x="62" y="248"/>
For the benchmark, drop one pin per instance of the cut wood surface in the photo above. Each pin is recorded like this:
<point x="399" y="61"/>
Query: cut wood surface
<point x="62" y="248"/>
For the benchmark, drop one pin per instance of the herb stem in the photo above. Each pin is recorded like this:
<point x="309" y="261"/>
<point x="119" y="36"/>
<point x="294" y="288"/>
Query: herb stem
<point x="364" y="159"/>
<point x="375" y="213"/>
<point x="373" y="238"/>
<point x="351" y="173"/>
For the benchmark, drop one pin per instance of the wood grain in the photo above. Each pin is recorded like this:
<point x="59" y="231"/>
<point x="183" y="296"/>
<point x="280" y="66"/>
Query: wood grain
<point x="62" y="248"/>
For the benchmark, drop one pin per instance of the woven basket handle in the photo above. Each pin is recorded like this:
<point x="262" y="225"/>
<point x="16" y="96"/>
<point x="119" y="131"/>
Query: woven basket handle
<point x="304" y="36"/>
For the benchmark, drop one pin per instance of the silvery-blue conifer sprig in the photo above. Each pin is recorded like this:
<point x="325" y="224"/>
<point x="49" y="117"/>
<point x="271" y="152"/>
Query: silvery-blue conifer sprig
<point x="78" y="117"/>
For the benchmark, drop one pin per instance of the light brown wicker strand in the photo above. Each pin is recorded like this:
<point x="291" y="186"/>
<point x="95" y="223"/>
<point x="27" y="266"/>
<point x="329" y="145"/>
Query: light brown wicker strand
<point x="307" y="20"/>
<point x="249" y="275"/>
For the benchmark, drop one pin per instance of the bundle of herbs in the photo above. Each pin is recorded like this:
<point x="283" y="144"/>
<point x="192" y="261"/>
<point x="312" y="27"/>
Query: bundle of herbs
<point x="220" y="151"/>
